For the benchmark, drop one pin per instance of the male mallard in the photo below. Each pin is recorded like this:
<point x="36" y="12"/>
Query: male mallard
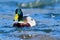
<point x="22" y="21"/>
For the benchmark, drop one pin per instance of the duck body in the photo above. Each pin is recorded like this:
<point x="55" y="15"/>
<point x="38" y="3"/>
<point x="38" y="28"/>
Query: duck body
<point x="22" y="21"/>
<point x="27" y="22"/>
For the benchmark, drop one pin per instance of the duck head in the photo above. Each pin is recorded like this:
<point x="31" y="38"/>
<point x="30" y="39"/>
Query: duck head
<point x="18" y="15"/>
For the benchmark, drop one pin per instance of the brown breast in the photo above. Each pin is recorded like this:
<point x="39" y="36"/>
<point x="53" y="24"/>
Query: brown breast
<point x="21" y="25"/>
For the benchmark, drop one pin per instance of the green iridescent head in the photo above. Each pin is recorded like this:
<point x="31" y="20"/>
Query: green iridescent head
<point x="20" y="14"/>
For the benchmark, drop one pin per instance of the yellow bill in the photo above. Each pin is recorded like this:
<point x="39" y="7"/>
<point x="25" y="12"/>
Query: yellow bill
<point x="16" y="17"/>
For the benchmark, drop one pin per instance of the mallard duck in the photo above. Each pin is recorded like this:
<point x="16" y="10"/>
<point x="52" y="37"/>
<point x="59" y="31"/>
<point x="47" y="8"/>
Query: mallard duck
<point x="22" y="21"/>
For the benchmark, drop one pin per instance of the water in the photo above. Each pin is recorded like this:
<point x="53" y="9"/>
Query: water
<point x="47" y="19"/>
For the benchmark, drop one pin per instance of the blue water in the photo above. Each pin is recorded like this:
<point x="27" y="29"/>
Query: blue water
<point x="47" y="19"/>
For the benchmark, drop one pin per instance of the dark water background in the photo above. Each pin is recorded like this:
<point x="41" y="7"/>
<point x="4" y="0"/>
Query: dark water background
<point x="47" y="19"/>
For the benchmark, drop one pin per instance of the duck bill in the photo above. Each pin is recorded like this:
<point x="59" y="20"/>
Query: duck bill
<point x="16" y="17"/>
